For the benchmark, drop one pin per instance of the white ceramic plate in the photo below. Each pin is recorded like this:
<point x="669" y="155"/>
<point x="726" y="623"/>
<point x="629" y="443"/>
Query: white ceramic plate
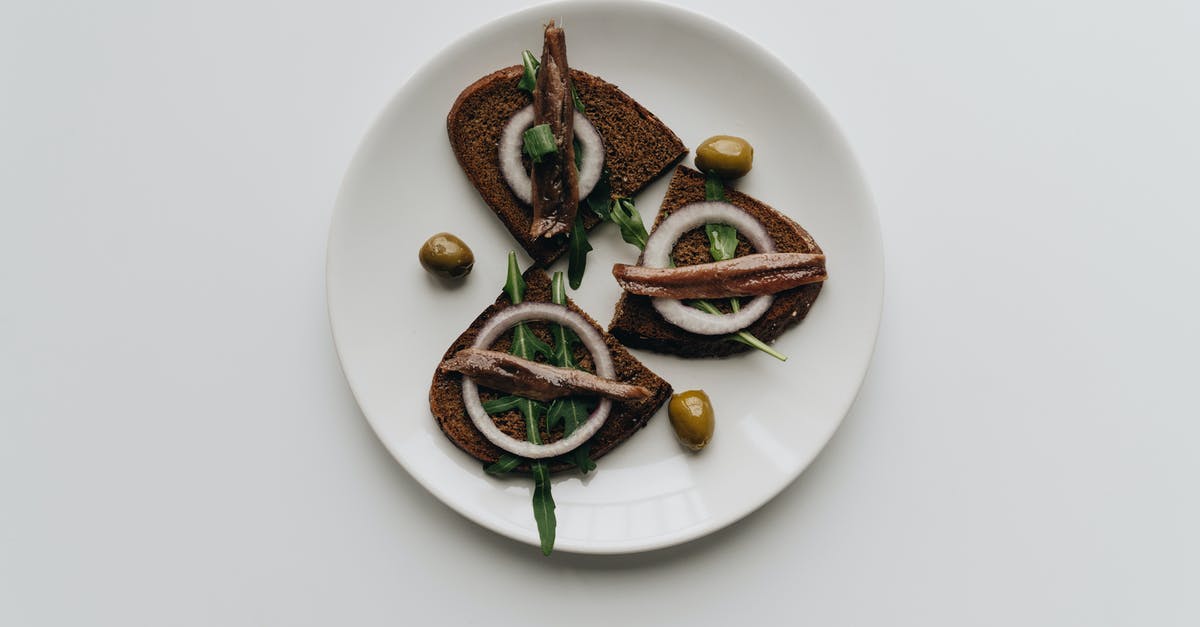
<point x="391" y="321"/>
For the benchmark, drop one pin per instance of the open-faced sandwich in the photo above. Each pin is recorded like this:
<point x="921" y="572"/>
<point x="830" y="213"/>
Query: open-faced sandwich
<point x="720" y="273"/>
<point x="535" y="385"/>
<point x="538" y="139"/>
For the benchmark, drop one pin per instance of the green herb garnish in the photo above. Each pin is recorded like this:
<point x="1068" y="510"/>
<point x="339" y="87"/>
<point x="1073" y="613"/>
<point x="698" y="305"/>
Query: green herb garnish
<point x="543" y="506"/>
<point x="514" y="283"/>
<point x="744" y="337"/>
<point x="714" y="189"/>
<point x="722" y="238"/>
<point x="564" y="338"/>
<point x="577" y="240"/>
<point x="539" y="142"/>
<point x="504" y="465"/>
<point x="600" y="198"/>
<point x="575" y="99"/>
<point x="526" y="345"/>
<point x="508" y="403"/>
<point x="722" y="241"/>
<point x="625" y="214"/>
<point x="502" y="404"/>
<point x="578" y="248"/>
<point x="572" y="411"/>
<point x="528" y="80"/>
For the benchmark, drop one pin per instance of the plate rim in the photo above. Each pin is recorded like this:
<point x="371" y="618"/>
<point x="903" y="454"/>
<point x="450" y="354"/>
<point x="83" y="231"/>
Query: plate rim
<point x="853" y="170"/>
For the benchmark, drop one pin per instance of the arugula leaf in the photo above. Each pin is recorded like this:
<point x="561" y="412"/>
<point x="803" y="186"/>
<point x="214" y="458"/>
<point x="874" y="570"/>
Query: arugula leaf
<point x="600" y="197"/>
<point x="625" y="214"/>
<point x="502" y="404"/>
<point x="563" y="354"/>
<point x="543" y="501"/>
<point x="578" y="248"/>
<point x="530" y="411"/>
<point x="558" y="293"/>
<point x="529" y="78"/>
<point x="722" y="238"/>
<point x="514" y="283"/>
<point x="575" y="99"/>
<point x="508" y="403"/>
<point x="554" y="414"/>
<point x="564" y="347"/>
<point x="582" y="459"/>
<point x="714" y="189"/>
<point x="564" y="338"/>
<point x="504" y="465"/>
<point x="543" y="505"/>
<point x="722" y="241"/>
<point x="744" y="337"/>
<point x="574" y="412"/>
<point x="571" y="411"/>
<point x="525" y="344"/>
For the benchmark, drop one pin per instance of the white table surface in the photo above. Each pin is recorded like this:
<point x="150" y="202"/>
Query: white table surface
<point x="178" y="446"/>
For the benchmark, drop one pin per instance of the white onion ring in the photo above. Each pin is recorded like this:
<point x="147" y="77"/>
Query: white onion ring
<point x="658" y="255"/>
<point x="592" y="341"/>
<point x="512" y="142"/>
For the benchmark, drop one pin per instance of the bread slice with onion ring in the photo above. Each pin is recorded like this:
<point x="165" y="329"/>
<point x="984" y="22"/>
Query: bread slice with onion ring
<point x="624" y="419"/>
<point x="638" y="146"/>
<point x="637" y="323"/>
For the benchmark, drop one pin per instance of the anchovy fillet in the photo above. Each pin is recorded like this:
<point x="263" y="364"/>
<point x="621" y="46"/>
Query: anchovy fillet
<point x="555" y="180"/>
<point x="749" y="275"/>
<point x="535" y="380"/>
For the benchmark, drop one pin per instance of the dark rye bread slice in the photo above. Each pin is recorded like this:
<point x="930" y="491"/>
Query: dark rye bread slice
<point x="638" y="324"/>
<point x="445" y="396"/>
<point x="639" y="147"/>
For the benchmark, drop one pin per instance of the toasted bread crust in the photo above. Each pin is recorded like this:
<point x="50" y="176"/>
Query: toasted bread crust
<point x="639" y="146"/>
<point x="638" y="325"/>
<point x="626" y="418"/>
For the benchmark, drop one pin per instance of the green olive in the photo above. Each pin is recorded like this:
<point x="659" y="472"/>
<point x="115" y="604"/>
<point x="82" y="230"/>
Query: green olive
<point x="691" y="416"/>
<point x="726" y="156"/>
<point x="446" y="255"/>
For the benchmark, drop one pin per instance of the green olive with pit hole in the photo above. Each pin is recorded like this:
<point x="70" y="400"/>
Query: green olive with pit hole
<point x="446" y="255"/>
<point x="725" y="156"/>
<point x="691" y="415"/>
